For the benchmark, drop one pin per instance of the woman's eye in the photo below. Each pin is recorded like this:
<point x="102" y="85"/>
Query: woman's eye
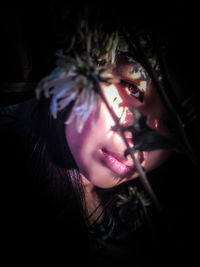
<point x="133" y="90"/>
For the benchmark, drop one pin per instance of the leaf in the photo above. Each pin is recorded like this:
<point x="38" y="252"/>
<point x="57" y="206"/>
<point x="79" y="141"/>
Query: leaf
<point x="145" y="138"/>
<point x="134" y="208"/>
<point x="149" y="140"/>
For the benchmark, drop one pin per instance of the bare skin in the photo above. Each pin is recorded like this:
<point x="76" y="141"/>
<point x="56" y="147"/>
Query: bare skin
<point x="98" y="150"/>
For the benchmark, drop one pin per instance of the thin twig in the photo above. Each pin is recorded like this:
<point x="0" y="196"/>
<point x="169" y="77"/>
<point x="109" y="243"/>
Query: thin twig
<point x="174" y="116"/>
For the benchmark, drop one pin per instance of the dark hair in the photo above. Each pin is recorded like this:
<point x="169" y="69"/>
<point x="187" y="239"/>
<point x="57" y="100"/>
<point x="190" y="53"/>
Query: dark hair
<point x="55" y="170"/>
<point x="51" y="157"/>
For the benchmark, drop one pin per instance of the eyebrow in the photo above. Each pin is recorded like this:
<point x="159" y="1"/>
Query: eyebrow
<point x="130" y="79"/>
<point x="136" y="68"/>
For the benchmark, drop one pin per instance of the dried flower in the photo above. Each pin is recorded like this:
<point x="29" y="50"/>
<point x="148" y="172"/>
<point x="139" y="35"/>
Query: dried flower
<point x="133" y="208"/>
<point x="72" y="80"/>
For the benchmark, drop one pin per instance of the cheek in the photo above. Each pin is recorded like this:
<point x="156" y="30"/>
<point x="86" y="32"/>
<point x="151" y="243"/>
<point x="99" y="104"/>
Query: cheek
<point x="153" y="159"/>
<point x="156" y="113"/>
<point x="85" y="145"/>
<point x="80" y="144"/>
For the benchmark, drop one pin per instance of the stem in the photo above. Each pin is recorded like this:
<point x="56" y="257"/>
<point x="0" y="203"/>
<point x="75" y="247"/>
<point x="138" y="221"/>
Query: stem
<point x="174" y="116"/>
<point x="183" y="120"/>
<point x="142" y="174"/>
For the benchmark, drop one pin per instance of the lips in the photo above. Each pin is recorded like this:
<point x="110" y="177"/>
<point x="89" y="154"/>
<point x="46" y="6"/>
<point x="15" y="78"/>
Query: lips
<point x="115" y="162"/>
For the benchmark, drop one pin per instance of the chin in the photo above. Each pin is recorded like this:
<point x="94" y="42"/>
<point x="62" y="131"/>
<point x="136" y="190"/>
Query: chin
<point x="112" y="180"/>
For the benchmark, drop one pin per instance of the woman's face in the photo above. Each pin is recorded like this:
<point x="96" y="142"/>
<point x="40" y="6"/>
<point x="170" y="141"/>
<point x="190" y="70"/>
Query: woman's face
<point x="98" y="150"/>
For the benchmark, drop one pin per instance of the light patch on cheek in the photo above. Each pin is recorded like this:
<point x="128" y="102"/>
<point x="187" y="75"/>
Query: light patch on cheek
<point x="114" y="100"/>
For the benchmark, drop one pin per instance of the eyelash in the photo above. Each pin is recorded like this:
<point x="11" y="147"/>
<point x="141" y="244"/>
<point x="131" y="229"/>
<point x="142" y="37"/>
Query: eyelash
<point x="133" y="90"/>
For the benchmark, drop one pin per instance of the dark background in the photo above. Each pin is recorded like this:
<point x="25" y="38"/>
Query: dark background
<point x="30" y="35"/>
<point x="29" y="38"/>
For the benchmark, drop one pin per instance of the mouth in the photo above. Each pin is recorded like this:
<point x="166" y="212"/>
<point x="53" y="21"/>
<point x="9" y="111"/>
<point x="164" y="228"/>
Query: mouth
<point x="117" y="164"/>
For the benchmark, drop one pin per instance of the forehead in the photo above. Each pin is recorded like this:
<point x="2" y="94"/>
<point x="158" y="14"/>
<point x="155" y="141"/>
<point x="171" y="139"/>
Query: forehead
<point x="129" y="68"/>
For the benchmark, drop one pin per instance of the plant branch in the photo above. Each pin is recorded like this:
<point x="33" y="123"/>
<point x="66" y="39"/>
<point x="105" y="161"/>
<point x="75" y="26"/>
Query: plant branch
<point x="174" y="116"/>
